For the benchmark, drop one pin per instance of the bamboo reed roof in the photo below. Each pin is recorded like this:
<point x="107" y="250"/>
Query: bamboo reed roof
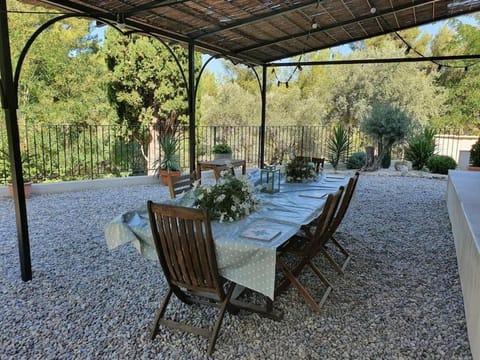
<point x="262" y="31"/>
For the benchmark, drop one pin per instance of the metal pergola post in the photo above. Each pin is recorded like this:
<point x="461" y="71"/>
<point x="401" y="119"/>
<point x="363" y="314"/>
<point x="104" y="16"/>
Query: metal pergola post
<point x="264" y="112"/>
<point x="10" y="105"/>
<point x="191" y="103"/>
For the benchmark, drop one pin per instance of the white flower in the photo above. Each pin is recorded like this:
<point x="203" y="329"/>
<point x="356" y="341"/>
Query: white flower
<point x="220" y="198"/>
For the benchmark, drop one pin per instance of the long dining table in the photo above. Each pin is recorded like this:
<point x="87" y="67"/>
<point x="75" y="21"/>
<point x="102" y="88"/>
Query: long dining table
<point x="245" y="249"/>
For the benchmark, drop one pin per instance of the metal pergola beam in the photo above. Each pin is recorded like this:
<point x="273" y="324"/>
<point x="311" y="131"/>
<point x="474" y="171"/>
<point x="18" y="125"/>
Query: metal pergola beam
<point x="434" y="59"/>
<point x="152" y="5"/>
<point x="258" y="18"/>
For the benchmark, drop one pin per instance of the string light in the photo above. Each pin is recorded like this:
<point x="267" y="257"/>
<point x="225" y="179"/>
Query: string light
<point x="410" y="48"/>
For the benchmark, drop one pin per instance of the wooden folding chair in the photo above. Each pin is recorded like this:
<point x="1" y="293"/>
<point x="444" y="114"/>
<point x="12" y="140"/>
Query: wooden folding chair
<point x="305" y="250"/>
<point x="185" y="249"/>
<point x="218" y="171"/>
<point x="181" y="184"/>
<point x="336" y="221"/>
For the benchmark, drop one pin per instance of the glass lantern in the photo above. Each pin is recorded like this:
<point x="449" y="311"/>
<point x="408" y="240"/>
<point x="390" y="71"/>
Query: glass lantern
<point x="270" y="179"/>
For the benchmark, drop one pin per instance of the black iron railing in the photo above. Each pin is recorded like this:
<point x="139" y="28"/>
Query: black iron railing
<point x="68" y="152"/>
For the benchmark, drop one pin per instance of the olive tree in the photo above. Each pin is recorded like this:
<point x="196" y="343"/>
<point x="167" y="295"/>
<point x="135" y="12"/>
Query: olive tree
<point x="387" y="125"/>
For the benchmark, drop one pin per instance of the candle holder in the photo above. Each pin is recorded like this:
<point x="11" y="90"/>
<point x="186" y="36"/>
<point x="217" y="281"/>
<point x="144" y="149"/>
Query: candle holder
<point x="270" y="179"/>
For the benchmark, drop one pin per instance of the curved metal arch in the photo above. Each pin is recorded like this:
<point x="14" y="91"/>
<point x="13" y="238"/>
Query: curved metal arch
<point x="169" y="50"/>
<point x="43" y="27"/>
<point x="201" y="72"/>
<point x="258" y="78"/>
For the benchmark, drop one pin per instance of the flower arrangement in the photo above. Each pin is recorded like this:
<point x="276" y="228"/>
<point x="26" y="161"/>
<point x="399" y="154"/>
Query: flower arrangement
<point x="229" y="200"/>
<point x="299" y="170"/>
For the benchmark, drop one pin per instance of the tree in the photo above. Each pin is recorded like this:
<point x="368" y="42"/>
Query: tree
<point x="463" y="87"/>
<point x="356" y="87"/>
<point x="388" y="125"/>
<point x="146" y="86"/>
<point x="61" y="78"/>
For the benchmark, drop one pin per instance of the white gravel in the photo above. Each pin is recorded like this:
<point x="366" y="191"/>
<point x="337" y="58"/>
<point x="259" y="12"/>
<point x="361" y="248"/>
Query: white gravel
<point x="399" y="299"/>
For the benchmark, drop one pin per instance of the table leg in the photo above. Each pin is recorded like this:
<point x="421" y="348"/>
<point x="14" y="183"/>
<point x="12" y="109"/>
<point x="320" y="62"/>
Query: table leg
<point x="265" y="310"/>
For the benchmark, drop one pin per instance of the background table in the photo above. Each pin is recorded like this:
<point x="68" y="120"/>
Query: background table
<point x="216" y="164"/>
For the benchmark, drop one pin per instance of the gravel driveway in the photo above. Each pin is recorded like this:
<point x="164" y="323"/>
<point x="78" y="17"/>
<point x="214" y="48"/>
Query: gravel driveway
<point x="400" y="297"/>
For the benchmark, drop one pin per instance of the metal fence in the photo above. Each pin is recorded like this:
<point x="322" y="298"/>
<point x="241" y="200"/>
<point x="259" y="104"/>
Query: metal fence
<point x="68" y="152"/>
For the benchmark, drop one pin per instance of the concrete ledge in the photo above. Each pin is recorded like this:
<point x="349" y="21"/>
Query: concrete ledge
<point x="463" y="202"/>
<point x="66" y="186"/>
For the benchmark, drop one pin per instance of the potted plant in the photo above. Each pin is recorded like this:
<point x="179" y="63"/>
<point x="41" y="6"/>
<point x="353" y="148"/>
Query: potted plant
<point x="222" y="151"/>
<point x="27" y="160"/>
<point x="475" y="156"/>
<point x="169" y="164"/>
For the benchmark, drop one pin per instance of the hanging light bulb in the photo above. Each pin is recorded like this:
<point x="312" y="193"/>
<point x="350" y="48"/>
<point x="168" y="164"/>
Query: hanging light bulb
<point x="439" y="68"/>
<point x="408" y="50"/>
<point x="278" y="83"/>
<point x="299" y="67"/>
<point x="466" y="68"/>
<point x="286" y="84"/>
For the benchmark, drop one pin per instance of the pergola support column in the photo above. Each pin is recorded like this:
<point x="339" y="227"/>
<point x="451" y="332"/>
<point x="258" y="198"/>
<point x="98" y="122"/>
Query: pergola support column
<point x="10" y="106"/>
<point x="191" y="103"/>
<point x="264" y="112"/>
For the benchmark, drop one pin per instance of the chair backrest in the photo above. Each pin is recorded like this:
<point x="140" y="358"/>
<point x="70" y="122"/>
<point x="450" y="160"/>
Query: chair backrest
<point x="344" y="203"/>
<point x="322" y="224"/>
<point x="185" y="248"/>
<point x="181" y="184"/>
<point x="318" y="162"/>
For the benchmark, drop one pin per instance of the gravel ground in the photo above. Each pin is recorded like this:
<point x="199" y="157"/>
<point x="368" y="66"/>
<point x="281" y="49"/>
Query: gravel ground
<point x="400" y="297"/>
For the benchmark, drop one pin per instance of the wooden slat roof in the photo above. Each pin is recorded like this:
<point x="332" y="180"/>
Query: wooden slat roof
<point x="262" y="31"/>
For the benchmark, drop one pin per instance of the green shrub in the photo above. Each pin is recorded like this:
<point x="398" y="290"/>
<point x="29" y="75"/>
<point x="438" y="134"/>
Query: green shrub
<point x="357" y="160"/>
<point x="440" y="164"/>
<point x="420" y="148"/>
<point x="222" y="148"/>
<point x="475" y="154"/>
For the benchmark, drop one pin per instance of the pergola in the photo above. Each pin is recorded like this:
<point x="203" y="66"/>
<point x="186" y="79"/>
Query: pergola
<point x="252" y="32"/>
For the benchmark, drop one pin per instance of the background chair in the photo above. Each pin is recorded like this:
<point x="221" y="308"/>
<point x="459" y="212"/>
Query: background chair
<point x="318" y="162"/>
<point x="184" y="244"/>
<point x="181" y="184"/>
<point x="305" y="250"/>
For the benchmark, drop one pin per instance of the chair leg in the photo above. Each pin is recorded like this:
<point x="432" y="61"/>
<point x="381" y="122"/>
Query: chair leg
<point x="331" y="260"/>
<point x="344" y="251"/>
<point x="303" y="292"/>
<point x="160" y="313"/>
<point x="324" y="280"/>
<point x="218" y="323"/>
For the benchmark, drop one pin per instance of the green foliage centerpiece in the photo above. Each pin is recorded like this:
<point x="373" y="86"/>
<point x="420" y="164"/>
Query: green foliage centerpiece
<point x="230" y="199"/>
<point x="299" y="170"/>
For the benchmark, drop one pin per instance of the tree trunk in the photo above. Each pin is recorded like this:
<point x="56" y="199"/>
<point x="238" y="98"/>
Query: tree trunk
<point x="153" y="146"/>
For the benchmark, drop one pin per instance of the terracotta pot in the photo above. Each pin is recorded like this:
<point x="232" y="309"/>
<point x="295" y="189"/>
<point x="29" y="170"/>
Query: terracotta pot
<point x="473" y="168"/>
<point x="27" y="188"/>
<point x="164" y="174"/>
